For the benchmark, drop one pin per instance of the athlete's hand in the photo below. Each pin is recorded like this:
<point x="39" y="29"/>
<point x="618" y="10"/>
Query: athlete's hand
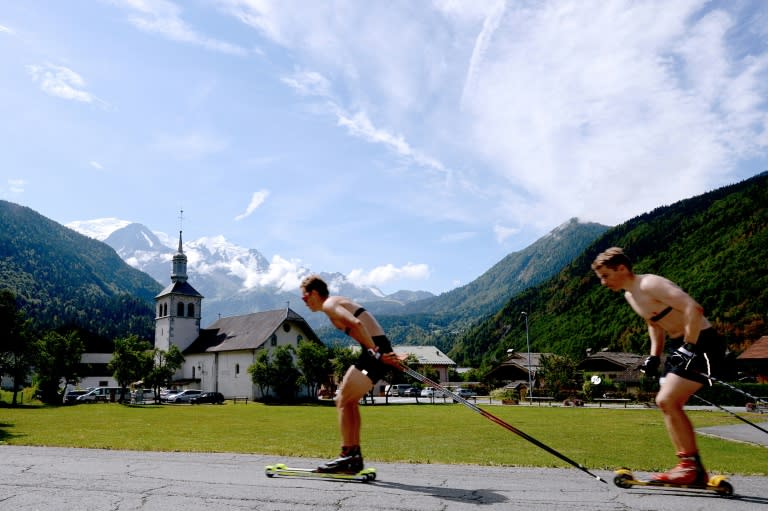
<point x="682" y="356"/>
<point x="393" y="359"/>
<point x="650" y="366"/>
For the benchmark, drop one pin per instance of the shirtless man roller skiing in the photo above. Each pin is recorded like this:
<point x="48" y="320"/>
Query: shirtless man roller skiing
<point x="369" y="368"/>
<point x="669" y="311"/>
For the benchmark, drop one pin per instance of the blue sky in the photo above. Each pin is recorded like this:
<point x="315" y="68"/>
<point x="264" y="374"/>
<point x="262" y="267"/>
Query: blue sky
<point x="407" y="144"/>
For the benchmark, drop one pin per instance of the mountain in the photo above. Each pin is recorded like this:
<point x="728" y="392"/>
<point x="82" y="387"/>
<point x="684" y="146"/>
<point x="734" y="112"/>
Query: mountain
<point x="234" y="280"/>
<point x="714" y="246"/>
<point x="437" y="320"/>
<point x="62" y="278"/>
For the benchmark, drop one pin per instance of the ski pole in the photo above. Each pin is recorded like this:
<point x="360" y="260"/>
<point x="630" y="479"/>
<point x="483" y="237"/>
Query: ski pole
<point x="728" y="411"/>
<point x="750" y="396"/>
<point x="410" y="372"/>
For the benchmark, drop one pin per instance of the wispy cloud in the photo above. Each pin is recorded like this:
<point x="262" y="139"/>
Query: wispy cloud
<point x="6" y="30"/>
<point x="96" y="165"/>
<point x="164" y="18"/>
<point x="257" y="199"/>
<point x="61" y="82"/>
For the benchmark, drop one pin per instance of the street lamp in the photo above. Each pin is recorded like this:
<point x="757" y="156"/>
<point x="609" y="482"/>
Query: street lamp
<point x="528" y="342"/>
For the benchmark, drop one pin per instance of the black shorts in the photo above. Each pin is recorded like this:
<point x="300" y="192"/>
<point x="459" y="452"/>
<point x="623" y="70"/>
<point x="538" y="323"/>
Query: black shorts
<point x="709" y="359"/>
<point x="374" y="369"/>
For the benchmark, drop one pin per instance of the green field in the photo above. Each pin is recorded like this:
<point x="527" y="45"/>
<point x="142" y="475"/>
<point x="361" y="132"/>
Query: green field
<point x="598" y="438"/>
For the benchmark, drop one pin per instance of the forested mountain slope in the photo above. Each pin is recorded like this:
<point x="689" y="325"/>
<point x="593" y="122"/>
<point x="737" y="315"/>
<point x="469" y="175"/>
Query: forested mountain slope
<point x="715" y="246"/>
<point x="62" y="278"/>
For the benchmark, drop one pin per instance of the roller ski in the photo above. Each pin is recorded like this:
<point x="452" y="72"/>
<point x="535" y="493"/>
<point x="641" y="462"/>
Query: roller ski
<point x="718" y="484"/>
<point x="281" y="470"/>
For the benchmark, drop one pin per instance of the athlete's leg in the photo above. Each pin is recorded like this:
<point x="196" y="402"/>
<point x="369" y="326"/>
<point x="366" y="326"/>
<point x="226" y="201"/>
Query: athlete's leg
<point x="674" y="393"/>
<point x="353" y="387"/>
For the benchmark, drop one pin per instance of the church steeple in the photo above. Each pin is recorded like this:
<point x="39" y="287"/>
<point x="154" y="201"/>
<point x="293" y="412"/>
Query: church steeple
<point x="177" y="321"/>
<point x="179" y="270"/>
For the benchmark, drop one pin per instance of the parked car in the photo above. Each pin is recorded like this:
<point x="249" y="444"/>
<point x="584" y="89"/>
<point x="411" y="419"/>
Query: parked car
<point x="216" y="398"/>
<point x="411" y="392"/>
<point x="430" y="392"/>
<point x="465" y="393"/>
<point x="70" y="398"/>
<point x="399" y="389"/>
<point x="166" y="393"/>
<point x="183" y="397"/>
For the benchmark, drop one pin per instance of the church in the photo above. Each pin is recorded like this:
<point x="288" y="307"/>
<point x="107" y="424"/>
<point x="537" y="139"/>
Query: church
<point x="217" y="358"/>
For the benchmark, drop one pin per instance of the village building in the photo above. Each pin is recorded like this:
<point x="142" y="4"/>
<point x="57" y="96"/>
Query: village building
<point x="754" y="360"/>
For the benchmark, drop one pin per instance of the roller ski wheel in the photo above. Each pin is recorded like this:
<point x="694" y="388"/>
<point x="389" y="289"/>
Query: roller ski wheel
<point x="283" y="470"/>
<point x="624" y="478"/>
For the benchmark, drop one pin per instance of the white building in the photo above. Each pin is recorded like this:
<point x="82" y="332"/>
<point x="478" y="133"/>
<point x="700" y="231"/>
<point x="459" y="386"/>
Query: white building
<point x="217" y="358"/>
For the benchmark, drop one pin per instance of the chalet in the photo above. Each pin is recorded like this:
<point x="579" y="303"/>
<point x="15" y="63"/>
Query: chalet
<point x="618" y="366"/>
<point x="514" y="371"/>
<point x="754" y="360"/>
<point x="429" y="356"/>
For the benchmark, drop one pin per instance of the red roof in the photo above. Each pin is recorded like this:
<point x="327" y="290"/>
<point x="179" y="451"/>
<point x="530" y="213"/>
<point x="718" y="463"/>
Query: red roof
<point x="758" y="350"/>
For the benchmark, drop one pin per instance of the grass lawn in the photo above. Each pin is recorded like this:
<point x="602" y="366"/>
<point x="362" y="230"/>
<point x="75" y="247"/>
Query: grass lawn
<point x="598" y="438"/>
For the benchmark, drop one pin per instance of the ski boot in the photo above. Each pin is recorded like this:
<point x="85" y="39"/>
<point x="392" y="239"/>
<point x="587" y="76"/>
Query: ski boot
<point x="350" y="461"/>
<point x="688" y="472"/>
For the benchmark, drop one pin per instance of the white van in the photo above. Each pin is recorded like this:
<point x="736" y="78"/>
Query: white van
<point x="104" y="394"/>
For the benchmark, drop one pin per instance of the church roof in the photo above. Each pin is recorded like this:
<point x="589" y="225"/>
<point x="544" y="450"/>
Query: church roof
<point x="179" y="288"/>
<point x="246" y="332"/>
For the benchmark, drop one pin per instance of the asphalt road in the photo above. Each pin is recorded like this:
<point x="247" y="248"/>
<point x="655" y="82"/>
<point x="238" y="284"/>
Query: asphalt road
<point x="45" y="478"/>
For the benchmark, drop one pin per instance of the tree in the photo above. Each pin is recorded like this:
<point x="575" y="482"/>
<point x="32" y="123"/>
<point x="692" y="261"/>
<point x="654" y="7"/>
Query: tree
<point x="558" y="372"/>
<point x="165" y="364"/>
<point x="315" y="365"/>
<point x="286" y="375"/>
<point x="261" y="372"/>
<point x="341" y="358"/>
<point x="132" y="360"/>
<point x="57" y="357"/>
<point x="16" y="350"/>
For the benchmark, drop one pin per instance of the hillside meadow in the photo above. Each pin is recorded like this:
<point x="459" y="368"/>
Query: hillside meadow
<point x="598" y="438"/>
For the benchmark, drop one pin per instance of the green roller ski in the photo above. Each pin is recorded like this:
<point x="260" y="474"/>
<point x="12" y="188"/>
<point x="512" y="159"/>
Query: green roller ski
<point x="282" y="470"/>
<point x="718" y="484"/>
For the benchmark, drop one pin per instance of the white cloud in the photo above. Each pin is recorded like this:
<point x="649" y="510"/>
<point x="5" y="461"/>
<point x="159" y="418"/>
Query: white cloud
<point x="285" y="274"/>
<point x="257" y="199"/>
<point x="503" y="233"/>
<point x="5" y="29"/>
<point x="388" y="273"/>
<point x="61" y="82"/>
<point x="16" y="186"/>
<point x="308" y="83"/>
<point x="164" y="18"/>
<point x="190" y="146"/>
<point x="96" y="165"/>
<point x="568" y="108"/>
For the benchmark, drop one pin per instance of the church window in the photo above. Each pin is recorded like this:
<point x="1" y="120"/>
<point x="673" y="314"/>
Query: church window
<point x="180" y="310"/>
<point x="191" y="310"/>
<point x="237" y="369"/>
<point x="273" y="340"/>
<point x="299" y="338"/>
